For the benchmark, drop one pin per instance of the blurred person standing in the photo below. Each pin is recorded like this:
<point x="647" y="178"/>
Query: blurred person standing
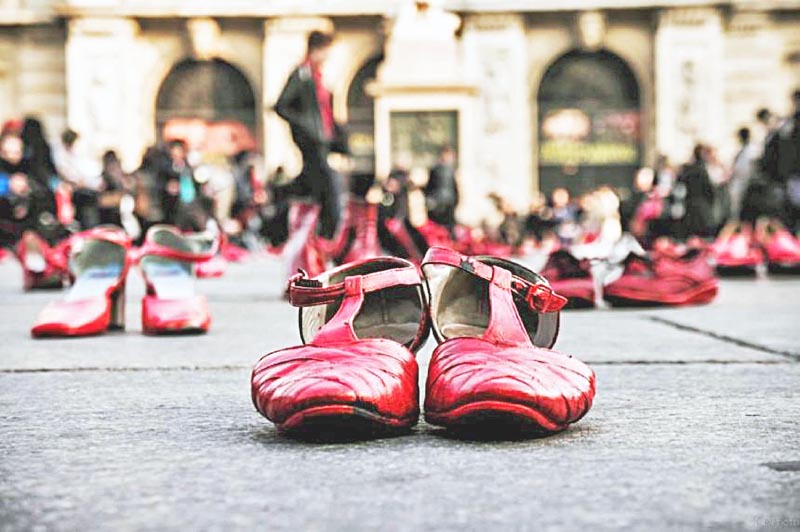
<point x="84" y="177"/>
<point x="441" y="191"/>
<point x="38" y="158"/>
<point x="25" y="204"/>
<point x="181" y="196"/>
<point x="720" y="176"/>
<point x="698" y="196"/>
<point x="742" y="172"/>
<point x="782" y="163"/>
<point x="307" y="105"/>
<point x="565" y="215"/>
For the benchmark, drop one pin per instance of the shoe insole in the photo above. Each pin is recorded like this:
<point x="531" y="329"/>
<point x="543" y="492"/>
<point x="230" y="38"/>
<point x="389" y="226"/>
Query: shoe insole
<point x="97" y="265"/>
<point x="393" y="313"/>
<point x="94" y="282"/>
<point x="169" y="279"/>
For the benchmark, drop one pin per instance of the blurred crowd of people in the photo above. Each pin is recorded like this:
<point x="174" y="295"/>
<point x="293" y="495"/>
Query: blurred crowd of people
<point x="698" y="198"/>
<point x="54" y="190"/>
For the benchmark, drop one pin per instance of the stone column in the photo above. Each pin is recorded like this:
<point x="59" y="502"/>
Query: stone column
<point x="284" y="48"/>
<point x="102" y="99"/>
<point x="495" y="55"/>
<point x="689" y="80"/>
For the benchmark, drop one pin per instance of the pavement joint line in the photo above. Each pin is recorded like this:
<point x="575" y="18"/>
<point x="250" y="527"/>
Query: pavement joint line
<point x="124" y="369"/>
<point x="724" y="337"/>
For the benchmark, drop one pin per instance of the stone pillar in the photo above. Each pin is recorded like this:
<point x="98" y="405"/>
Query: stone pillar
<point x="689" y="56"/>
<point x="102" y="100"/>
<point x="495" y="55"/>
<point x="423" y="76"/>
<point x="753" y="55"/>
<point x="284" y="48"/>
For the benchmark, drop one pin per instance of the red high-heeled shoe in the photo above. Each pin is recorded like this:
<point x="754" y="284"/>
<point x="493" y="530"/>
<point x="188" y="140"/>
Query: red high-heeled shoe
<point x="495" y="321"/>
<point x="361" y="324"/>
<point x="96" y="302"/>
<point x="736" y="251"/>
<point x="166" y="260"/>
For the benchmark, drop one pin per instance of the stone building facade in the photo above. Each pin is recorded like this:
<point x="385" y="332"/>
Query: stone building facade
<point x="532" y="93"/>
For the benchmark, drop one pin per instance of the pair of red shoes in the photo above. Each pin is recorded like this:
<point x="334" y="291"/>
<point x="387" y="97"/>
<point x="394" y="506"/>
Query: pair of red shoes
<point x="99" y="261"/>
<point x="664" y="277"/>
<point x="495" y="322"/>
<point x="741" y="250"/>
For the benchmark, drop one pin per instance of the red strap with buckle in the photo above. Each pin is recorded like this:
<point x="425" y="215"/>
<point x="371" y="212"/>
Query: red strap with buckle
<point x="539" y="297"/>
<point x="306" y="292"/>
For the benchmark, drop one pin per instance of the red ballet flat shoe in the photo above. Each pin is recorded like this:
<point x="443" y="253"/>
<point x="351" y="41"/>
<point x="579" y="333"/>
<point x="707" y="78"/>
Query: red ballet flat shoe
<point x="356" y="373"/>
<point x="570" y="277"/>
<point x="642" y="281"/>
<point x="782" y="247"/>
<point x="96" y="302"/>
<point x="43" y="266"/>
<point x="166" y="260"/>
<point x="736" y="251"/>
<point x="494" y="369"/>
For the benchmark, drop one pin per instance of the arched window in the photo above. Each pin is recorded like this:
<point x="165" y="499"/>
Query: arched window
<point x="211" y="90"/>
<point x="589" y="122"/>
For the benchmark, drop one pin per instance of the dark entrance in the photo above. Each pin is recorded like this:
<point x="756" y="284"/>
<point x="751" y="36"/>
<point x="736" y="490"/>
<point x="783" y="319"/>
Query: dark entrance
<point x="589" y="123"/>
<point x="361" y="118"/>
<point x="211" y="90"/>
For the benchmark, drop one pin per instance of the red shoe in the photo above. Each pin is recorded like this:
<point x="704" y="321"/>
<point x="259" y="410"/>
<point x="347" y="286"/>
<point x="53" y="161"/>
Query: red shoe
<point x="303" y="250"/>
<point x="167" y="262"/>
<point x="96" y="302"/>
<point x="43" y="267"/>
<point x="361" y="232"/>
<point x="781" y="246"/>
<point x="641" y="281"/>
<point x="362" y="322"/>
<point x="736" y="251"/>
<point x="496" y="321"/>
<point x="570" y="277"/>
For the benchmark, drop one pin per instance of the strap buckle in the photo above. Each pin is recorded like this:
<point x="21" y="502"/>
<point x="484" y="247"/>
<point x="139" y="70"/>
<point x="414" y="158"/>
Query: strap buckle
<point x="540" y="297"/>
<point x="301" y="279"/>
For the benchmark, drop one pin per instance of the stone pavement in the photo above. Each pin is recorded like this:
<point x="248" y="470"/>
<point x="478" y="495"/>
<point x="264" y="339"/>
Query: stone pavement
<point x="696" y="425"/>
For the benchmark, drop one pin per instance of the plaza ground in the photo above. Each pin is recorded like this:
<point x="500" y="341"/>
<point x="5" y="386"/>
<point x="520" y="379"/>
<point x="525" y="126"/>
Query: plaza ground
<point x="696" y="425"/>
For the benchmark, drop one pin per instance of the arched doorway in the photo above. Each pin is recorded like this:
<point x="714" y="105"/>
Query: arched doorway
<point x="361" y="118"/>
<point x="589" y="123"/>
<point x="211" y="90"/>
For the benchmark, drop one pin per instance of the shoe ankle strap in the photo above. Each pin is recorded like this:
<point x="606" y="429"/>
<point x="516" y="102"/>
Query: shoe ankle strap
<point x="539" y="296"/>
<point x="307" y="292"/>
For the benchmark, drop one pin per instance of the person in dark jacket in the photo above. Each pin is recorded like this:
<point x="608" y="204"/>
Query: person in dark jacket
<point x="699" y="194"/>
<point x="307" y="106"/>
<point x="782" y="164"/>
<point x="441" y="192"/>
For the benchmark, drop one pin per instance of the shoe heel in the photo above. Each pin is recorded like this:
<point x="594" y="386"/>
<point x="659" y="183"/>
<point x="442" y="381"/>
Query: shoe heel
<point x="117" y="322"/>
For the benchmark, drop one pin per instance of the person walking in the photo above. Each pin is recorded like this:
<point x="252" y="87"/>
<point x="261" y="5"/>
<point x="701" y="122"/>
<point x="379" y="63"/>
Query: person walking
<point x="307" y="105"/>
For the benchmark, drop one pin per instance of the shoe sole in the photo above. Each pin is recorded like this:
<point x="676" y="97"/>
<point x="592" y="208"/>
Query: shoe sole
<point x="495" y="418"/>
<point x="342" y="421"/>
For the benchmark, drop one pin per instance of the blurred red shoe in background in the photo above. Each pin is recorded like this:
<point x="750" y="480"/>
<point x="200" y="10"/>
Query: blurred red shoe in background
<point x="167" y="259"/>
<point x="96" y="302"/>
<point x="736" y="250"/>
<point x="570" y="277"/>
<point x="782" y="247"/>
